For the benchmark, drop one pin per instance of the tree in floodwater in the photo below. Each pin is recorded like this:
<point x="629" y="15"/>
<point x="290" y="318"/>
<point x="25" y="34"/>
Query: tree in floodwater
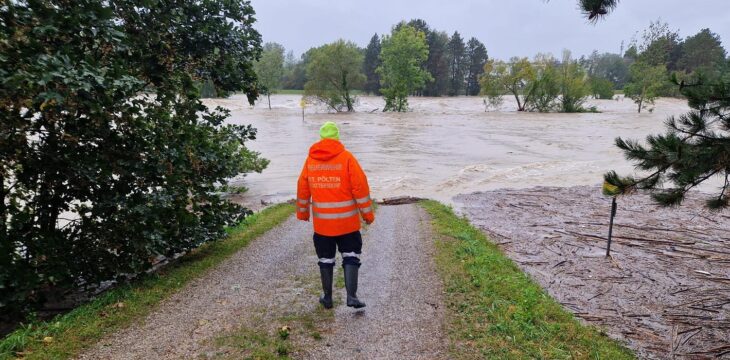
<point x="514" y="77"/>
<point x="646" y="83"/>
<point x="270" y="69"/>
<point x="334" y="71"/>
<point x="545" y="85"/>
<point x="601" y="88"/>
<point x="370" y="65"/>
<point x="108" y="158"/>
<point x="456" y="51"/>
<point x="401" y="73"/>
<point x="574" y="87"/>
<point x="476" y="57"/>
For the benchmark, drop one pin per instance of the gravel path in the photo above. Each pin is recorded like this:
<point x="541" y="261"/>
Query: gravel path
<point x="264" y="281"/>
<point x="222" y="300"/>
<point x="404" y="313"/>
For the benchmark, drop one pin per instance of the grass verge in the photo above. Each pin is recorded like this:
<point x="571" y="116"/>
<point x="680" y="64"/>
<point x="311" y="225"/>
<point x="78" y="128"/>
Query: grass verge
<point x="496" y="311"/>
<point x="68" y="334"/>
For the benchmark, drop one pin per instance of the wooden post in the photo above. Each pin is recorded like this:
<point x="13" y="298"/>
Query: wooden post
<point x="610" y="226"/>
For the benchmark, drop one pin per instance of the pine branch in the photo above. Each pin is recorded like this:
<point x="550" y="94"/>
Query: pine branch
<point x="597" y="9"/>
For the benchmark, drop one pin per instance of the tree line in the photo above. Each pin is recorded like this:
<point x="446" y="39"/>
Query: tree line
<point x="448" y="66"/>
<point x="648" y="69"/>
<point x="444" y="66"/>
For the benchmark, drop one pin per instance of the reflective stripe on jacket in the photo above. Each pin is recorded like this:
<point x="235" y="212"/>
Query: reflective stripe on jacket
<point x="333" y="186"/>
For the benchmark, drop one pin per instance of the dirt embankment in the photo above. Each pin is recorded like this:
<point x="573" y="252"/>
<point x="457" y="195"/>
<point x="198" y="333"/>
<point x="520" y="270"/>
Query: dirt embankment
<point x="666" y="288"/>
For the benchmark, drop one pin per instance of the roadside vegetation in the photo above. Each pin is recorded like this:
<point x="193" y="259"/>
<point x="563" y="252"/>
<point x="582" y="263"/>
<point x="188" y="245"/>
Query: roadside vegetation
<point x="109" y="161"/>
<point x="68" y="334"/>
<point x="496" y="311"/>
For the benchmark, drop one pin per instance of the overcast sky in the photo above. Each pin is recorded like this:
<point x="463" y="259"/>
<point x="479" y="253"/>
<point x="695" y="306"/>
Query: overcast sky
<point x="507" y="27"/>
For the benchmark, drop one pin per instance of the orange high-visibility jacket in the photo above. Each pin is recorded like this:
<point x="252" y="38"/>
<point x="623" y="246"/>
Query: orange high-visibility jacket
<point x="335" y="186"/>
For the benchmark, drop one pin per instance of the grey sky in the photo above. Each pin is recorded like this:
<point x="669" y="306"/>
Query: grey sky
<point x="507" y="27"/>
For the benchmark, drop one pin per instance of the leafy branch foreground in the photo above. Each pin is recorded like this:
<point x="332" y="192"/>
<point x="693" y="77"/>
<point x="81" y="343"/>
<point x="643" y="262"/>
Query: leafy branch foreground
<point x="496" y="311"/>
<point x="66" y="335"/>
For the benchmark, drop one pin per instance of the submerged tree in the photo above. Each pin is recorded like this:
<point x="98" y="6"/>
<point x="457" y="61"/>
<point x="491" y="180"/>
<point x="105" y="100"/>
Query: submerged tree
<point x="403" y="53"/>
<point x="334" y="71"/>
<point x="573" y="85"/>
<point x="601" y="88"/>
<point x="515" y="78"/>
<point x="270" y="69"/>
<point x="545" y="85"/>
<point x="646" y="83"/>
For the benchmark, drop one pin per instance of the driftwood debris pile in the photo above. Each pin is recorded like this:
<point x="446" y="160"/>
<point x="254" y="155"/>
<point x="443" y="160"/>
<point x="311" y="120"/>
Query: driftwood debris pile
<point x="666" y="288"/>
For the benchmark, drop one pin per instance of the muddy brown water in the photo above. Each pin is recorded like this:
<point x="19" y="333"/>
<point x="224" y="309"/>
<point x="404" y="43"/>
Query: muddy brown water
<point x="447" y="146"/>
<point x="665" y="290"/>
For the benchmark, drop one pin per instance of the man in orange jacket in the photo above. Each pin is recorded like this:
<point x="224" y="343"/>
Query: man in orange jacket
<point x="335" y="186"/>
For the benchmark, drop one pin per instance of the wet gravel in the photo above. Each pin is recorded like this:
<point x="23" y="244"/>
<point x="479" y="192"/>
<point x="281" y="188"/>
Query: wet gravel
<point x="258" y="280"/>
<point x="275" y="275"/>
<point x="398" y="282"/>
<point x="666" y="289"/>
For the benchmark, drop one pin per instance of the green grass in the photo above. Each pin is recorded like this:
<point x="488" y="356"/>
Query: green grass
<point x="84" y="326"/>
<point x="496" y="311"/>
<point x="290" y="92"/>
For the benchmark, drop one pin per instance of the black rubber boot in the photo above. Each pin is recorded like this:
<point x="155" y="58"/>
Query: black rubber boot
<point x="326" y="275"/>
<point x="351" y="285"/>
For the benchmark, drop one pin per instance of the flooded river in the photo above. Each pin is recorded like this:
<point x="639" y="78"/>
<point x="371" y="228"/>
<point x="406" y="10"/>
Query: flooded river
<point x="447" y="146"/>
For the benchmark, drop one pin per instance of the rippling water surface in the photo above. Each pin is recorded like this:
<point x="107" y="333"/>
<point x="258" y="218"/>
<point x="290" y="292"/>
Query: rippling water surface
<point x="447" y="146"/>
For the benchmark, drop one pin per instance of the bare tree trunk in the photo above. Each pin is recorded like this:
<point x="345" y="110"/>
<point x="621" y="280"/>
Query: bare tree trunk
<point x="268" y="95"/>
<point x="641" y="101"/>
<point x="348" y="100"/>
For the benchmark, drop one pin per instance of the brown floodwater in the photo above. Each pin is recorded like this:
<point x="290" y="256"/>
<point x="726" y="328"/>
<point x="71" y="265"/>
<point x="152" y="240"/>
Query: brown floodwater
<point x="447" y="146"/>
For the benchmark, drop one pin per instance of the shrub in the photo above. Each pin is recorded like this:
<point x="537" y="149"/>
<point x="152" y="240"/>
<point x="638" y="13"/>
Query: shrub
<point x="601" y="88"/>
<point x="109" y="159"/>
